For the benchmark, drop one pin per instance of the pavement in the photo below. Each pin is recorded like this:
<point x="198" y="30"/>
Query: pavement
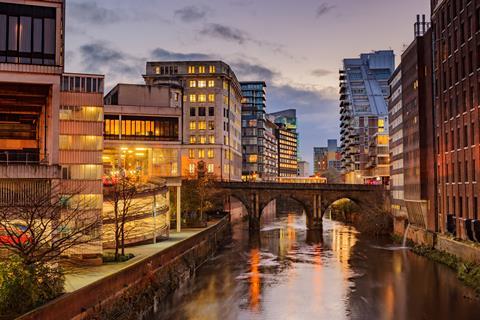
<point x="79" y="277"/>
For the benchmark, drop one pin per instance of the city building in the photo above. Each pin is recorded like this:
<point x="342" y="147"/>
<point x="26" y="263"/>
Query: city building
<point x="303" y="169"/>
<point x="325" y="158"/>
<point x="395" y="120"/>
<point x="50" y="121"/>
<point x="211" y="118"/>
<point x="364" y="93"/>
<point x="455" y="27"/>
<point x="287" y="138"/>
<point x="259" y="144"/>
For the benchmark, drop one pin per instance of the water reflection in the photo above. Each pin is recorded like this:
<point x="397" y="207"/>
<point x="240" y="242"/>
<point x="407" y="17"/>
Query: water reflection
<point x="287" y="272"/>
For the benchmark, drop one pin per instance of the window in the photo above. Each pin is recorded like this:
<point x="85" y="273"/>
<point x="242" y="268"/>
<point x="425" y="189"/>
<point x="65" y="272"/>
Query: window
<point x="210" y="168"/>
<point x="211" y="139"/>
<point x="191" y="69"/>
<point x="202" y="139"/>
<point x="211" y="97"/>
<point x="193" y="111"/>
<point x="193" y="139"/>
<point x="201" y="69"/>
<point x="191" y="153"/>
<point x="211" y="125"/>
<point x="193" y="83"/>
<point x="211" y="83"/>
<point x="202" y="83"/>
<point x="193" y="98"/>
<point x="202" y="98"/>
<point x="211" y="111"/>
<point x="141" y="128"/>
<point x="81" y="142"/>
<point x="225" y="85"/>
<point x="210" y="153"/>
<point x="191" y="168"/>
<point x="27" y="34"/>
<point x="211" y="69"/>
<point x="201" y="153"/>
<point x="193" y="125"/>
<point x="202" y="125"/>
<point x="81" y="113"/>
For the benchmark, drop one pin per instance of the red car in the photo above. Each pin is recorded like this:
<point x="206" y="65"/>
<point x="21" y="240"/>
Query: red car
<point x="6" y="239"/>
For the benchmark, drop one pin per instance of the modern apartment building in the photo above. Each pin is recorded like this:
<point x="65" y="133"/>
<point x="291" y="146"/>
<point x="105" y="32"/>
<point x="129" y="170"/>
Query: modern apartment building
<point x="325" y="158"/>
<point x="259" y="146"/>
<point x="455" y="28"/>
<point x="211" y="114"/>
<point x="50" y="122"/>
<point x="287" y="138"/>
<point x="395" y="120"/>
<point x="303" y="169"/>
<point x="364" y="92"/>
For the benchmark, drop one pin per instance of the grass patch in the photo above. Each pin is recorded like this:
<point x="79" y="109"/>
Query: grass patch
<point x="468" y="273"/>
<point x="110" y="257"/>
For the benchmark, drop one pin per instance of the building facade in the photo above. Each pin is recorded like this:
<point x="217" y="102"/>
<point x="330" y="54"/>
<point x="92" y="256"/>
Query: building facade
<point x="364" y="92"/>
<point x="287" y="139"/>
<point x="259" y="145"/>
<point x="325" y="158"/>
<point x="211" y="114"/>
<point x="455" y="27"/>
<point x="303" y="169"/>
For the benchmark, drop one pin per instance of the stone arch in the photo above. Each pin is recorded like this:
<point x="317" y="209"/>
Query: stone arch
<point x="279" y="196"/>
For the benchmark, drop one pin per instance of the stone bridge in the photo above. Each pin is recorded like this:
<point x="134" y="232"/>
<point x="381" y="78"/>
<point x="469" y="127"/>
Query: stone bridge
<point x="314" y="198"/>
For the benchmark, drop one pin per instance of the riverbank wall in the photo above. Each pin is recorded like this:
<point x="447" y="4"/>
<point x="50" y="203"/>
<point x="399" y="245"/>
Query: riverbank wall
<point x="138" y="289"/>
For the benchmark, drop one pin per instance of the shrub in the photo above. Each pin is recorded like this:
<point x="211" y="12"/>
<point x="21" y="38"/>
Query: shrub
<point x="110" y="257"/>
<point x="23" y="288"/>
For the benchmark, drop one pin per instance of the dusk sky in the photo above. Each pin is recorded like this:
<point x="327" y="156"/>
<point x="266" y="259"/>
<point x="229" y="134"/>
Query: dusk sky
<point x="295" y="46"/>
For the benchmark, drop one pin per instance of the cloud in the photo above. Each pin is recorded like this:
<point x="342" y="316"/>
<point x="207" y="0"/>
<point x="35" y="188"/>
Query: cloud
<point x="162" y="54"/>
<point x="247" y="71"/>
<point x="323" y="9"/>
<point x="191" y="13"/>
<point x="225" y="33"/>
<point x="91" y="12"/>
<point x="321" y="72"/>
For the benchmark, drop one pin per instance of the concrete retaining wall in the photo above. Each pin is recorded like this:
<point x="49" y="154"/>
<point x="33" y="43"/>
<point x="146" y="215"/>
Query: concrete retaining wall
<point x="132" y="292"/>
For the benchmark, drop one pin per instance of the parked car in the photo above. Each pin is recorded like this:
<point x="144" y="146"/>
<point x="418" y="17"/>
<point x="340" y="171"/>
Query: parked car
<point x="18" y="230"/>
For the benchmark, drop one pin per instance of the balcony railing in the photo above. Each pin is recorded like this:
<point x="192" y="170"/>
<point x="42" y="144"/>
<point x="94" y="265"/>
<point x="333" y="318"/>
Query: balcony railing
<point x="19" y="157"/>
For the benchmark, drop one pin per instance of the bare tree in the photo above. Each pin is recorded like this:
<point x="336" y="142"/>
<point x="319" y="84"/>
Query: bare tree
<point x="39" y="226"/>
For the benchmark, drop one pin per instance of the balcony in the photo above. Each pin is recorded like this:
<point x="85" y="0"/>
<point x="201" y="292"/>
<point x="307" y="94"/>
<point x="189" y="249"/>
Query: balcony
<point x="8" y="157"/>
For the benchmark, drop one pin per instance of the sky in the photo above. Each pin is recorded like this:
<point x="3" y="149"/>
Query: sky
<point x="296" y="46"/>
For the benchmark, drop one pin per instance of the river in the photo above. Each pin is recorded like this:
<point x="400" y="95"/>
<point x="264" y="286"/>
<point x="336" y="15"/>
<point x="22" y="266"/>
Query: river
<point x="291" y="273"/>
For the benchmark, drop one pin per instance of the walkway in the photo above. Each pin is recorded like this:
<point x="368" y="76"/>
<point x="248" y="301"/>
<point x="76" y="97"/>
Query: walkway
<point x="83" y="276"/>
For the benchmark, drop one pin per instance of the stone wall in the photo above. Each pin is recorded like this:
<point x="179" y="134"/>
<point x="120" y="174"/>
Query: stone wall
<point x="134" y="291"/>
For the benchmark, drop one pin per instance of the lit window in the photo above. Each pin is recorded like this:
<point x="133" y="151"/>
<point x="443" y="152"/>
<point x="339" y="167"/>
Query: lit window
<point x="211" y="139"/>
<point x="157" y="70"/>
<point x="211" y="125"/>
<point x="193" y="125"/>
<point x="225" y="140"/>
<point x="193" y="139"/>
<point x="210" y="168"/>
<point x="191" y="168"/>
<point x="202" y="125"/>
<point x="191" y="69"/>
<point x="201" y="69"/>
<point x="193" y="98"/>
<point x="211" y="83"/>
<point x="203" y="140"/>
<point x="193" y="83"/>
<point x="202" y="83"/>
<point x="191" y="154"/>
<point x="225" y="85"/>
<point x="201" y="154"/>
<point x="211" y="69"/>
<point x="225" y="99"/>
<point x="211" y="97"/>
<point x="202" y="98"/>
<point x="252" y="158"/>
<point x="210" y="153"/>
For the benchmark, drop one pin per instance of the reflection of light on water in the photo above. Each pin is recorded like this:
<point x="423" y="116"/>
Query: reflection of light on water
<point x="254" y="279"/>
<point x="343" y="241"/>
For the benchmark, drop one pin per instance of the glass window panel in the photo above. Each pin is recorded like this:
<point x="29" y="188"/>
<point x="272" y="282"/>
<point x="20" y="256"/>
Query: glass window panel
<point x="25" y="34"/>
<point x="12" y="33"/>
<point x="37" y="35"/>
<point x="3" y="32"/>
<point x="49" y="36"/>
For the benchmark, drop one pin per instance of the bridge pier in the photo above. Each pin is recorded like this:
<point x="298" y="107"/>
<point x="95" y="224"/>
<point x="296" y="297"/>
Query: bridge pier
<point x="314" y="220"/>
<point x="254" y="215"/>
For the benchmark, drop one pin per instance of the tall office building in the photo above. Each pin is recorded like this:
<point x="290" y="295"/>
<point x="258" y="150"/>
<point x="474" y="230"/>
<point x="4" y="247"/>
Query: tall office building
<point x="325" y="158"/>
<point x="287" y="138"/>
<point x="50" y="122"/>
<point x="259" y="145"/>
<point x="455" y="27"/>
<point x="211" y="118"/>
<point x="364" y="92"/>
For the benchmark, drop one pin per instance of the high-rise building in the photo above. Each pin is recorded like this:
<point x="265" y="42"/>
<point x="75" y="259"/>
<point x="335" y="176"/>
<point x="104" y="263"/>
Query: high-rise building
<point x="325" y="158"/>
<point x="211" y="114"/>
<point x="303" y="169"/>
<point x="259" y="146"/>
<point x="50" y="122"/>
<point x="364" y="92"/>
<point x="287" y="138"/>
<point x="455" y="25"/>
